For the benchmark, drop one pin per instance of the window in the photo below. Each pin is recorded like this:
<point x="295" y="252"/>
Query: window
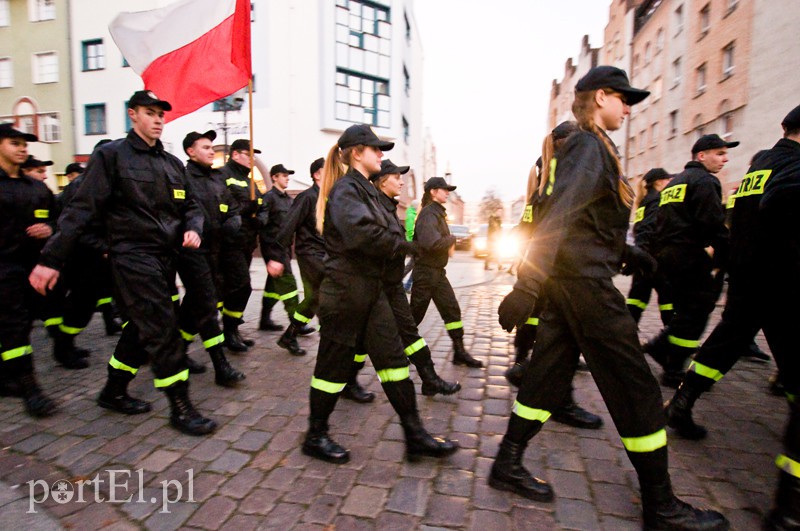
<point x="5" y="13"/>
<point x="49" y="127"/>
<point x="362" y="99"/>
<point x="676" y="72"/>
<point x="45" y="67"/>
<point x="40" y="10"/>
<point x="125" y="63"/>
<point x="406" y="130"/>
<point x="635" y="62"/>
<point x="732" y="4"/>
<point x="6" y="72"/>
<point x="642" y="140"/>
<point x="656" y="89"/>
<point x="654" y="134"/>
<point x="407" y="80"/>
<point x="726" y="119"/>
<point x="678" y="19"/>
<point x="659" y="40"/>
<point x="701" y="78"/>
<point x="252" y="11"/>
<point x="408" y="28"/>
<point x="93" y="55"/>
<point x="705" y="20"/>
<point x="128" y="122"/>
<point x="697" y="125"/>
<point x="647" y="54"/>
<point x="727" y="60"/>
<point x="95" y="115"/>
<point x="673" y="123"/>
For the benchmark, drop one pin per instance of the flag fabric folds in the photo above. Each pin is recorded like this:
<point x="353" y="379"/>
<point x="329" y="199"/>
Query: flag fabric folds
<point x="190" y="53"/>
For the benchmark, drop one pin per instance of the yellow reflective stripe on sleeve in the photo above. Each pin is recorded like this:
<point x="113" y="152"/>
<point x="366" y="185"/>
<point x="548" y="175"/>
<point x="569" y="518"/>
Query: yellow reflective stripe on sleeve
<point x="271" y="295"/>
<point x="393" y="375"/>
<point x="41" y="214"/>
<point x="176" y="297"/>
<point x="16" y="352"/>
<point x="673" y="194"/>
<point x="687" y="343"/>
<point x="530" y="413"/>
<point x="647" y="443"/>
<point x="639" y="216"/>
<point x="223" y="207"/>
<point x="533" y="321"/>
<point x="237" y="182"/>
<point x="230" y="313"/>
<point x="416" y="346"/>
<point x="166" y="382"/>
<point x="260" y="201"/>
<point x="102" y="302"/>
<point x="454" y="325"/>
<point x="114" y="362"/>
<point x="302" y="318"/>
<point x="214" y="341"/>
<point x="636" y="302"/>
<point x="666" y="307"/>
<point x="220" y="304"/>
<point x="707" y="372"/>
<point x="326" y="387"/>
<point x="360" y="358"/>
<point x="179" y="194"/>
<point x="70" y="330"/>
<point x="186" y="335"/>
<point x="790" y="466"/>
<point x="54" y="321"/>
<point x="287" y="296"/>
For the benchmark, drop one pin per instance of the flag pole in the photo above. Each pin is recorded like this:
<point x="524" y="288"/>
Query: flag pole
<point x="252" y="153"/>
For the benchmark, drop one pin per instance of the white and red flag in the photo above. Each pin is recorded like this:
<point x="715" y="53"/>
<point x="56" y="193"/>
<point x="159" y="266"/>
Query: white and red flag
<point x="190" y="53"/>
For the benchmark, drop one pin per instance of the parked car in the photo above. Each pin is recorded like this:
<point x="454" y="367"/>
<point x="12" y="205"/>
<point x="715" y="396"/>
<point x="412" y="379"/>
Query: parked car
<point x="508" y="245"/>
<point x="463" y="237"/>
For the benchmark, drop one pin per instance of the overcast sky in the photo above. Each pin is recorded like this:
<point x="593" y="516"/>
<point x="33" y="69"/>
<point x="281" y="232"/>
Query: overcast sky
<point x="488" y="71"/>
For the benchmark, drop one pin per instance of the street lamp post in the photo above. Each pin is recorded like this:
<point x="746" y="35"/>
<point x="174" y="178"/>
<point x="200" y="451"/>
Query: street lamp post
<point x="225" y="105"/>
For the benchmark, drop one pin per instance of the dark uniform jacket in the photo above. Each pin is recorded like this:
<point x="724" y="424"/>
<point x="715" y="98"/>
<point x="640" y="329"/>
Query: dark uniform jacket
<point x="141" y="195"/>
<point x="356" y="229"/>
<point x="237" y="179"/>
<point x="644" y="222"/>
<point x="94" y="237"/>
<point x="433" y="236"/>
<point x="691" y="214"/>
<point x="581" y="228"/>
<point x="301" y="223"/>
<point x="272" y="216"/>
<point x="23" y="202"/>
<point x="395" y="265"/>
<point x="220" y="209"/>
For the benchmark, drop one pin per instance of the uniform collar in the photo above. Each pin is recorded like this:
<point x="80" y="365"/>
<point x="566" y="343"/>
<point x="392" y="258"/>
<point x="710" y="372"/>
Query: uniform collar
<point x="198" y="169"/>
<point x="140" y="145"/>
<point x="238" y="168"/>
<point x="275" y="191"/>
<point x="786" y="143"/>
<point x="695" y="164"/>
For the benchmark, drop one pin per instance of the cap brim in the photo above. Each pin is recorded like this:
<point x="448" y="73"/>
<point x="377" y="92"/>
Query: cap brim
<point x="731" y="144"/>
<point x="382" y="145"/>
<point x="290" y="172"/>
<point x="257" y="151"/>
<point x="403" y="169"/>
<point x="634" y="96"/>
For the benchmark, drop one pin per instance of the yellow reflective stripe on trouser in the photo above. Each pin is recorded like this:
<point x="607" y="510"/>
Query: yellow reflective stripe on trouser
<point x="301" y="318"/>
<point x="16" y="352"/>
<point x="533" y="321"/>
<point x="176" y="297"/>
<point x="647" y="443"/>
<point x="393" y="375"/>
<point x="791" y="398"/>
<point x="166" y="382"/>
<point x="186" y="335"/>
<point x="636" y="302"/>
<point x="229" y="313"/>
<point x="360" y="358"/>
<point x="706" y="371"/>
<point x="271" y="295"/>
<point x="530" y="413"/>
<point x="287" y="296"/>
<point x="214" y="341"/>
<point x="666" y="307"/>
<point x="220" y="304"/>
<point x="102" y="302"/>
<point x="790" y="466"/>
<point x="326" y="387"/>
<point x="125" y="324"/>
<point x="688" y="343"/>
<point x="70" y="330"/>
<point x="454" y="325"/>
<point x="55" y="321"/>
<point x="114" y="362"/>
<point x="416" y="346"/>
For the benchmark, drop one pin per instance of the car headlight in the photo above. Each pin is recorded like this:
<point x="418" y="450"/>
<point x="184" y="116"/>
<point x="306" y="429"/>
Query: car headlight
<point x="508" y="247"/>
<point x="479" y="243"/>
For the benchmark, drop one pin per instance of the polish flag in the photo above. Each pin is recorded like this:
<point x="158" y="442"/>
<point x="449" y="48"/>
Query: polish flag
<point x="190" y="53"/>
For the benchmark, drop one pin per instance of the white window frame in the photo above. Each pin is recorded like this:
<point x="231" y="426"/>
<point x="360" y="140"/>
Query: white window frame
<point x="701" y="74"/>
<point x="5" y="13"/>
<point x="7" y="77"/>
<point x="49" y="127"/>
<point x="38" y="78"/>
<point x="728" y="62"/>
<point x="41" y="10"/>
<point x="677" y="71"/>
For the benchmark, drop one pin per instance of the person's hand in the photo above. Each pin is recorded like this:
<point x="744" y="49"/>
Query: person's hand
<point x="637" y="260"/>
<point x="274" y="268"/>
<point x="451" y="251"/>
<point x="515" y="309"/>
<point x="191" y="239"/>
<point x="408" y="248"/>
<point x="40" y="231"/>
<point x="43" y="278"/>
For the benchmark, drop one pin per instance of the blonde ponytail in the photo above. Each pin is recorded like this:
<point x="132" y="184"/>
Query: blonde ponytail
<point x="336" y="164"/>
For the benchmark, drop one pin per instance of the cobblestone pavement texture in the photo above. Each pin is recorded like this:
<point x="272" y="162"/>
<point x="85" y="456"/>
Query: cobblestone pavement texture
<point x="251" y="474"/>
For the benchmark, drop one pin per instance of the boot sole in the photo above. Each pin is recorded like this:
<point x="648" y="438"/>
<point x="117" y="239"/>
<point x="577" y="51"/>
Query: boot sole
<point x="230" y="384"/>
<point x="205" y="429"/>
<point x="416" y="458"/>
<point x="502" y="485"/>
<point x="323" y="457"/>
<point x="439" y="391"/>
<point x="112" y="407"/>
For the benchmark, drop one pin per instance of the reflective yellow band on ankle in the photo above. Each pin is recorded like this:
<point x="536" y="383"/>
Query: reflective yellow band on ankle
<point x="301" y="318"/>
<point x="454" y="325"/>
<point x="166" y="382"/>
<point x="393" y="375"/>
<point x="18" y="352"/>
<point x="229" y="313"/>
<point x="360" y="358"/>
<point x="686" y="343"/>
<point x="790" y="466"/>
<point x="103" y="302"/>
<point x="529" y="413"/>
<point x="647" y="443"/>
<point x="636" y="302"/>
<point x="707" y="372"/>
<point x="125" y="324"/>
<point x="214" y="341"/>
<point x="414" y="347"/>
<point x="54" y="321"/>
<point x="666" y="307"/>
<point x="114" y="362"/>
<point x="326" y="387"/>
<point x="186" y="335"/>
<point x="533" y="321"/>
<point x="70" y="330"/>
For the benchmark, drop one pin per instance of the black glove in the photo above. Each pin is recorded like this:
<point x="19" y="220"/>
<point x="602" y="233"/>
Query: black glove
<point x="515" y="309"/>
<point x="637" y="260"/>
<point x="407" y="248"/>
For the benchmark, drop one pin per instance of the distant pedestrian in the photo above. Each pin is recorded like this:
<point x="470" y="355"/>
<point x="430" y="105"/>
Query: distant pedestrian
<point x="494" y="232"/>
<point x="410" y="222"/>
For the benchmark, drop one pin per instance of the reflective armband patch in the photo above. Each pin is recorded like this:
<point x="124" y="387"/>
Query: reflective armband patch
<point x="673" y="194"/>
<point x="41" y="214"/>
<point x="731" y="201"/>
<point x="527" y="217"/>
<point x="753" y="183"/>
<point x="260" y="201"/>
<point x="552" y="180"/>
<point x="639" y="216"/>
<point x="179" y="194"/>
<point x="223" y="207"/>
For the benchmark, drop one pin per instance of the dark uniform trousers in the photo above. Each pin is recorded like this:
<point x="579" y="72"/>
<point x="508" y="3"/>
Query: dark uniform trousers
<point x="312" y="271"/>
<point x="144" y="285"/>
<point x="431" y="283"/>
<point x="234" y="264"/>
<point x="639" y="296"/>
<point x="414" y="345"/>
<point x="20" y="304"/>
<point x="525" y="338"/>
<point x="87" y="280"/>
<point x="283" y="289"/>
<point x="198" y="310"/>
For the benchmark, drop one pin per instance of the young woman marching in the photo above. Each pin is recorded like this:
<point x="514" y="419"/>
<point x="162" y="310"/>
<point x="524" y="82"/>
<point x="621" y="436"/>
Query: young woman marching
<point x="578" y="246"/>
<point x="354" y="310"/>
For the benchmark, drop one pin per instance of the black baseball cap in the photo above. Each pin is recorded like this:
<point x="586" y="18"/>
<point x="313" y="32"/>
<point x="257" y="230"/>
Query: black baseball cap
<point x="242" y="144"/>
<point x="7" y="131"/>
<point x="437" y="182"/>
<point x="707" y="142"/>
<point x="194" y="136"/>
<point x="74" y="167"/>
<point x="317" y="165"/>
<point x="33" y="162"/>
<point x="605" y="76"/>
<point x="278" y="168"/>
<point x="147" y="98"/>
<point x="387" y="168"/>
<point x="564" y="129"/>
<point x="362" y="135"/>
<point x="792" y="120"/>
<point x="656" y="174"/>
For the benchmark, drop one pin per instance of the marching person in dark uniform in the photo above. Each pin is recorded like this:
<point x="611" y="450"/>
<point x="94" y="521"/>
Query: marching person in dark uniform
<point x="646" y="207"/>
<point x="432" y="235"/>
<point x="690" y="218"/>
<point x="25" y="223"/>
<point x="763" y="273"/>
<point x="140" y="193"/>
<point x="354" y="309"/>
<point x="35" y="168"/>
<point x="578" y="246"/>
<point x="235" y="259"/>
<point x="389" y="182"/>
<point x="199" y="268"/>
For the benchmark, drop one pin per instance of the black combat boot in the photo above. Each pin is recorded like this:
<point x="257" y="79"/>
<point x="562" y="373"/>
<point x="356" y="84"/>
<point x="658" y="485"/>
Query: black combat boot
<point x="224" y="374"/>
<point x="754" y="353"/>
<point x="115" y="396"/>
<point x="183" y="415"/>
<point x="775" y="385"/>
<point x="289" y="340"/>
<point x="233" y="340"/>
<point x="353" y="391"/>
<point x="507" y="471"/>
<point x="266" y="323"/>
<point x="112" y="323"/>
<point x="64" y="352"/>
<point x="514" y="374"/>
<point x="462" y="357"/>
<point x="573" y="415"/>
<point x="786" y="514"/>
<point x="432" y="384"/>
<point x="305" y="329"/>
<point x="679" y="410"/>
<point x="663" y="510"/>
<point x="658" y="347"/>
<point x="319" y="445"/>
<point x="36" y="402"/>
